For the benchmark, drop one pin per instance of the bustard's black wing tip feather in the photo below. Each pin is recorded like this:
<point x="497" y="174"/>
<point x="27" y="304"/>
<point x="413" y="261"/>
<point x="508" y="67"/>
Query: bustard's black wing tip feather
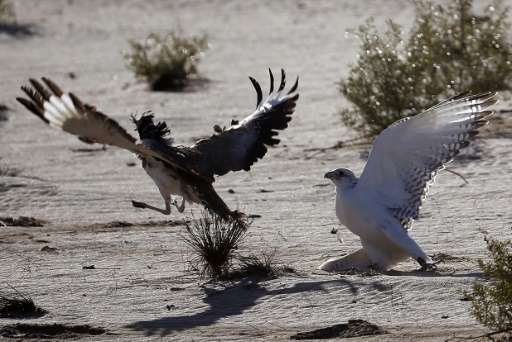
<point x="33" y="108"/>
<point x="52" y="86"/>
<point x="271" y="75"/>
<point x="273" y="119"/>
<point x="45" y="94"/>
<point x="147" y="129"/>
<point x="282" y="85"/>
<point x="35" y="101"/>
<point x="257" y="87"/>
<point x="242" y="144"/>
<point x="283" y="80"/>
<point x="294" y="86"/>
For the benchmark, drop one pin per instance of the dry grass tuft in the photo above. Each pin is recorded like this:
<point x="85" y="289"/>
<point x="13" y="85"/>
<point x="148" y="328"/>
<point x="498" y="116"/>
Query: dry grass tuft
<point x="214" y="241"/>
<point x="262" y="266"/>
<point x="6" y="171"/>
<point x="19" y="306"/>
<point x="166" y="62"/>
<point x="21" y="221"/>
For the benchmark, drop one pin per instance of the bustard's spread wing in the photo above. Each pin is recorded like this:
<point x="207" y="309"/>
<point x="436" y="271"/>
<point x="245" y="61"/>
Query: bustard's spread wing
<point x="406" y="156"/>
<point x="67" y="112"/>
<point x="242" y="144"/>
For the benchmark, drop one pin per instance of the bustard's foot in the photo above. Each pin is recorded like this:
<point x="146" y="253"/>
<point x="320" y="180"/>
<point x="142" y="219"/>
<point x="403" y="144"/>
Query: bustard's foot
<point x="139" y="205"/>
<point x="426" y="266"/>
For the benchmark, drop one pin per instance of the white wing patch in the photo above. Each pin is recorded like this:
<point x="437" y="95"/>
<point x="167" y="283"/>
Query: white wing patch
<point x="58" y="109"/>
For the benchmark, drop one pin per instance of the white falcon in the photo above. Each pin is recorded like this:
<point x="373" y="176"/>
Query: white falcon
<point x="381" y="205"/>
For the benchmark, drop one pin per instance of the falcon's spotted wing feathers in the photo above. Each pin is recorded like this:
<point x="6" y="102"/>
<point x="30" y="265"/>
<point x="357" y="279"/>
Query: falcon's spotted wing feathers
<point x="406" y="156"/>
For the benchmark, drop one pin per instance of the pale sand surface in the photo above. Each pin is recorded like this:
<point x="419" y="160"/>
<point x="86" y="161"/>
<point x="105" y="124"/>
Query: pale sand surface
<point x="141" y="269"/>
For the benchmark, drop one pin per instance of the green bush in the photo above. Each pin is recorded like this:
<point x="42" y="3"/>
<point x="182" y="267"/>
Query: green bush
<point x="449" y="50"/>
<point x="165" y="62"/>
<point x="6" y="12"/>
<point x="491" y="302"/>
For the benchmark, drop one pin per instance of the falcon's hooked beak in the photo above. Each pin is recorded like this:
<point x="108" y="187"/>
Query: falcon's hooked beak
<point x="330" y="175"/>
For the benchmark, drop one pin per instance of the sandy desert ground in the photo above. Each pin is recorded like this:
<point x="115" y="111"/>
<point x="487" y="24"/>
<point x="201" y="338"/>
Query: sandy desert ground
<point x="141" y="269"/>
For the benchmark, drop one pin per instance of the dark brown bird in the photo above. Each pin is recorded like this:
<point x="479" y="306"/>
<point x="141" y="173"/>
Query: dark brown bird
<point x="186" y="171"/>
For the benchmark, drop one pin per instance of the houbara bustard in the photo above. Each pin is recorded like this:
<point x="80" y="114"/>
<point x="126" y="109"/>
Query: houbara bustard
<point x="381" y="205"/>
<point x="185" y="171"/>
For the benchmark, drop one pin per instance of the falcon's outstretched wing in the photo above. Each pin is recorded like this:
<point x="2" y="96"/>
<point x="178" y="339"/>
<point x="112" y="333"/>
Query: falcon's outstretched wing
<point x="241" y="145"/>
<point x="406" y="156"/>
<point x="67" y="112"/>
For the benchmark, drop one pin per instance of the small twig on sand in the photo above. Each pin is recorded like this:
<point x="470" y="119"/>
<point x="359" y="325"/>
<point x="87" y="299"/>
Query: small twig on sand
<point x="458" y="174"/>
<point x="355" y="142"/>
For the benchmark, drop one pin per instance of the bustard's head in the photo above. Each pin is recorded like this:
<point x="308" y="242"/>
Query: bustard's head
<point x="341" y="177"/>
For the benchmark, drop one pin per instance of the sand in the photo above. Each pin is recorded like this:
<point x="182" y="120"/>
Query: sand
<point x="142" y="286"/>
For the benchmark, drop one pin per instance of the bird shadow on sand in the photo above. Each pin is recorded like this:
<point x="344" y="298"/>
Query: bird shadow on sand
<point x="235" y="300"/>
<point x="434" y="274"/>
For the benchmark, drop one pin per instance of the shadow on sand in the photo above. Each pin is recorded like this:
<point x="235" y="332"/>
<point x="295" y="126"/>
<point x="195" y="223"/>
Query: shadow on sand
<point x="234" y="301"/>
<point x="17" y="30"/>
<point x="436" y="274"/>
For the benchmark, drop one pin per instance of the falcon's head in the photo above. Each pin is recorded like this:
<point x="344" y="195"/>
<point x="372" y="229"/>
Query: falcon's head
<point x="341" y="177"/>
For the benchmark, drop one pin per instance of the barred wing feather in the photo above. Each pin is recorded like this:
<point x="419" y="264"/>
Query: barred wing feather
<point x="406" y="156"/>
<point x="67" y="112"/>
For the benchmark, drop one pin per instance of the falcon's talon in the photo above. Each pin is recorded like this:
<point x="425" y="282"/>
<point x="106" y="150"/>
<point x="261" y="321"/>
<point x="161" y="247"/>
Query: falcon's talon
<point x="425" y="266"/>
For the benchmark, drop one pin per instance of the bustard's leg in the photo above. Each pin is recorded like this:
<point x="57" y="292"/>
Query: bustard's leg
<point x="181" y="208"/>
<point x="142" y="205"/>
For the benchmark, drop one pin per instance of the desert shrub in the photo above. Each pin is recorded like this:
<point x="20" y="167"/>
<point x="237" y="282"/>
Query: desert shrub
<point x="491" y="302"/>
<point x="214" y="241"/>
<point x="449" y="50"/>
<point x="7" y="171"/>
<point x="6" y="12"/>
<point x="18" y="305"/>
<point x="165" y="62"/>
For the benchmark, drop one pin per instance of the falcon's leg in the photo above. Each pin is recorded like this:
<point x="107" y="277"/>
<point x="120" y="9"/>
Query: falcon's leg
<point x="181" y="208"/>
<point x="142" y="205"/>
<point x="425" y="266"/>
<point x="397" y="235"/>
